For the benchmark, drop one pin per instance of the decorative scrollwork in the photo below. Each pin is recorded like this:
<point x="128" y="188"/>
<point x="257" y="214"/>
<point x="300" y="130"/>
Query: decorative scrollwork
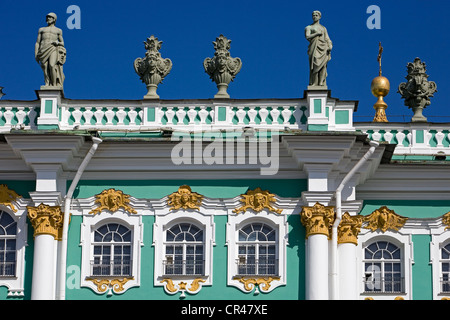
<point x="263" y="283"/>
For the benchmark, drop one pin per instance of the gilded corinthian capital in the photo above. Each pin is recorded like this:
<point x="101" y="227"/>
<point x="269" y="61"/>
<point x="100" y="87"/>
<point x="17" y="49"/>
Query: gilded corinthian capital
<point x="318" y="219"/>
<point x="349" y="228"/>
<point x="46" y="220"/>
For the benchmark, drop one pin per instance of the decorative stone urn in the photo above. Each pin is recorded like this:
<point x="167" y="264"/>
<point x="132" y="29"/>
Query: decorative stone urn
<point x="222" y="68"/>
<point x="152" y="69"/>
<point x="417" y="90"/>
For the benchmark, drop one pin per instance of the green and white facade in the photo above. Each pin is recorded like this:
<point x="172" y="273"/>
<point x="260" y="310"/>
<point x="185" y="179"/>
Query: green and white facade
<point x="298" y="150"/>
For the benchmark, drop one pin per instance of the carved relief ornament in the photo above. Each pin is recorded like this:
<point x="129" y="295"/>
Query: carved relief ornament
<point x="8" y="196"/>
<point x="46" y="220"/>
<point x="114" y="285"/>
<point x="112" y="200"/>
<point x="250" y="283"/>
<point x="384" y="219"/>
<point x="173" y="288"/>
<point x="446" y="220"/>
<point x="185" y="198"/>
<point x="257" y="200"/>
<point x="318" y="219"/>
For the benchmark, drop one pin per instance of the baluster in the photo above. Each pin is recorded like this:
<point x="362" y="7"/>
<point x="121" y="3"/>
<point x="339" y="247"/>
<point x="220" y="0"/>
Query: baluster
<point x="192" y="113"/>
<point x="240" y="113"/>
<point x="203" y="114"/>
<point x="376" y="135"/>
<point x="32" y="115"/>
<point x="9" y="115"/>
<point x="20" y="115"/>
<point x="87" y="114"/>
<point x="170" y="114"/>
<point x="428" y="136"/>
<point x="76" y="114"/>
<point x="98" y="114"/>
<point x="1" y="113"/>
<point x="180" y="115"/>
<point x="286" y="113"/>
<point x="263" y="113"/>
<point x="132" y="114"/>
<point x="388" y="136"/>
<point x="109" y="115"/>
<point x="440" y="138"/>
<point x="274" y="113"/>
<point x="252" y="113"/>
<point x="121" y="114"/>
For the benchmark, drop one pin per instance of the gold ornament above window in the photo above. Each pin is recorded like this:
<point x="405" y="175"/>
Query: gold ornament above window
<point x="7" y="197"/>
<point x="112" y="200"/>
<point x="257" y="200"/>
<point x="384" y="219"/>
<point x="185" y="198"/>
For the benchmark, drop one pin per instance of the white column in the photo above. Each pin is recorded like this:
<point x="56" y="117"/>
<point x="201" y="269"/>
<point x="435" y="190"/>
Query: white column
<point x="348" y="282"/>
<point x="317" y="220"/>
<point x="42" y="287"/>
<point x="317" y="267"/>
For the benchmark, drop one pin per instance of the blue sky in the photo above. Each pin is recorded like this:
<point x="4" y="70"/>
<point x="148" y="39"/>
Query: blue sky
<point x="267" y="35"/>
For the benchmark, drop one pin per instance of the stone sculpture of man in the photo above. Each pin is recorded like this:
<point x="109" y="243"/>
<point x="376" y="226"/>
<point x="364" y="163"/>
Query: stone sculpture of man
<point x="50" y="53"/>
<point x="319" y="52"/>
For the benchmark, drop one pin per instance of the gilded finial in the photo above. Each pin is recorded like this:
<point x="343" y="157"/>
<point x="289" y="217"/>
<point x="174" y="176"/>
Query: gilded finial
<point x="380" y="88"/>
<point x="380" y="52"/>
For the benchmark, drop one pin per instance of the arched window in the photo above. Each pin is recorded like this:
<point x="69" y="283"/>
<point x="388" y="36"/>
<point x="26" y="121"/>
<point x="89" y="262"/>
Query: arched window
<point x="8" y="233"/>
<point x="112" y="251"/>
<point x="445" y="269"/>
<point x="257" y="250"/>
<point x="383" y="268"/>
<point x="184" y="250"/>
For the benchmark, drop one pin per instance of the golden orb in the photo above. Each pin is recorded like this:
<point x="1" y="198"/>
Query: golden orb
<point x="380" y="86"/>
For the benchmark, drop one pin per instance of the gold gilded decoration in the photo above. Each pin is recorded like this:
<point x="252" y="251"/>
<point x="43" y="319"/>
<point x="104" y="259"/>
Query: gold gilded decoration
<point x="384" y="219"/>
<point x="182" y="286"/>
<point x="7" y="196"/>
<point x="349" y="228"/>
<point x="446" y="220"/>
<point x="112" y="200"/>
<point x="257" y="200"/>
<point x="263" y="282"/>
<point x="380" y="88"/>
<point x="185" y="198"/>
<point x="46" y="220"/>
<point x="318" y="219"/>
<point x="116" y="285"/>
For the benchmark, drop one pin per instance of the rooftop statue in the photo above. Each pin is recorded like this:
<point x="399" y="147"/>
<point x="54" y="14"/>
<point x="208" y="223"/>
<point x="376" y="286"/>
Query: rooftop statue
<point x="152" y="69"/>
<point x="417" y="90"/>
<point x="319" y="52"/>
<point x="50" y="53"/>
<point x="222" y="68"/>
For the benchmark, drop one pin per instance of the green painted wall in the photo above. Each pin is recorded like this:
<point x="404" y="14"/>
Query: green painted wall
<point x="422" y="277"/>
<point x="155" y="189"/>
<point x="410" y="208"/>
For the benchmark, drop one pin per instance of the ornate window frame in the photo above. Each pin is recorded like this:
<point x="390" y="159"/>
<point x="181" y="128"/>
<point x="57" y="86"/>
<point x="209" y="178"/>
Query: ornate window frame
<point x="164" y="220"/>
<point x="110" y="284"/>
<point x="15" y="284"/>
<point x="256" y="284"/>
<point x="440" y="237"/>
<point x="404" y="242"/>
